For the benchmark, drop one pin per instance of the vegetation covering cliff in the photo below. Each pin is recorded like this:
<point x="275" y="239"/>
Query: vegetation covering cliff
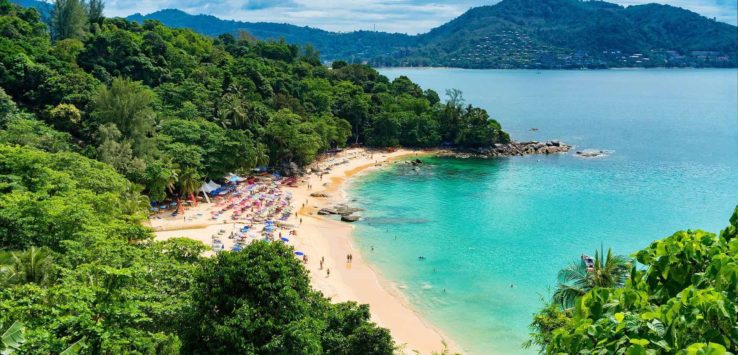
<point x="682" y="298"/>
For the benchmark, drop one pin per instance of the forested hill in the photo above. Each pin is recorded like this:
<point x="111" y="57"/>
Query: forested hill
<point x="510" y="34"/>
<point x="573" y="34"/>
<point x="352" y="46"/>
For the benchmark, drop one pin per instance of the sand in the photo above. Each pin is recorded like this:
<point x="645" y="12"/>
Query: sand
<point x="320" y="236"/>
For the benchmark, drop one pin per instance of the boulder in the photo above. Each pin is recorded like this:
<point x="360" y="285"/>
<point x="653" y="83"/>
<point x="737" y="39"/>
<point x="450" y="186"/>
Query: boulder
<point x="290" y="169"/>
<point x="350" y="218"/>
<point x="327" y="211"/>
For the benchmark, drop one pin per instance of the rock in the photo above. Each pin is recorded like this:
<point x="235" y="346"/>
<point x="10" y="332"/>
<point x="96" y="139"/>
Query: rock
<point x="346" y="210"/>
<point x="327" y="211"/>
<point x="290" y="169"/>
<point x="319" y="194"/>
<point x="591" y="153"/>
<point x="350" y="218"/>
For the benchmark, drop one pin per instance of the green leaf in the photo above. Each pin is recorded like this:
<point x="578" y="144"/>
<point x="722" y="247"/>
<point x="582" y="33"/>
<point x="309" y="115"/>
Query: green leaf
<point x="14" y="337"/>
<point x="74" y="348"/>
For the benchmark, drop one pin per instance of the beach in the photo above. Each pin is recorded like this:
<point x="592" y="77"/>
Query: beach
<point x="326" y="237"/>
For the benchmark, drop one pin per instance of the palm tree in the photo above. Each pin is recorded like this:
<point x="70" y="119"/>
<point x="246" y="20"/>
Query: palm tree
<point x="189" y="182"/>
<point x="133" y="201"/>
<point x="34" y="265"/>
<point x="232" y="112"/>
<point x="576" y="280"/>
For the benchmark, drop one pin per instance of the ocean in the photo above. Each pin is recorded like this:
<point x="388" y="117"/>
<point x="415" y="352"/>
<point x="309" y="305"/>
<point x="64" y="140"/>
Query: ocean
<point x="494" y="233"/>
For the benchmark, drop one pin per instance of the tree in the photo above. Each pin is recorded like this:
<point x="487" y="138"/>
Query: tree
<point x="35" y="265"/>
<point x="65" y="117"/>
<point x="7" y="106"/>
<point x="128" y="105"/>
<point x="259" y="300"/>
<point x="68" y="19"/>
<point x="24" y="130"/>
<point x="682" y="301"/>
<point x="95" y="10"/>
<point x="189" y="182"/>
<point x="576" y="279"/>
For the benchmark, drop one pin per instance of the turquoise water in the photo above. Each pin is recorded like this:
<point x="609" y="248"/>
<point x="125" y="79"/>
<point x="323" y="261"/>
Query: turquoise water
<point x="486" y="224"/>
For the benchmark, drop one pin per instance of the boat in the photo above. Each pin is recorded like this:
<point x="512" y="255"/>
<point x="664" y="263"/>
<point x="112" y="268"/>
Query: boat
<point x="588" y="262"/>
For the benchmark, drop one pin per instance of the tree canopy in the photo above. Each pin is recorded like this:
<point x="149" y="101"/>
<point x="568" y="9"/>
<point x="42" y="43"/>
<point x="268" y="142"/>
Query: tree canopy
<point x="681" y="301"/>
<point x="148" y="99"/>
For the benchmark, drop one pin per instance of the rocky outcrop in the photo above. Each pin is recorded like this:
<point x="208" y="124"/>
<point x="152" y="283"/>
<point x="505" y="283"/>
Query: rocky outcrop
<point x="590" y="153"/>
<point x="346" y="210"/>
<point x="290" y="169"/>
<point x="514" y="149"/>
<point x="350" y="218"/>
<point x="327" y="211"/>
<point x="319" y="194"/>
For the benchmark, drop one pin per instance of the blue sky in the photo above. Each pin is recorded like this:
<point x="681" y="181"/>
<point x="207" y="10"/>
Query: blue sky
<point x="405" y="16"/>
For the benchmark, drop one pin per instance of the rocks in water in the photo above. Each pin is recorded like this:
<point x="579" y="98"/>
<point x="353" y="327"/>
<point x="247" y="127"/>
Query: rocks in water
<point x="592" y="153"/>
<point x="327" y="211"/>
<point x="514" y="149"/>
<point x="346" y="210"/>
<point x="350" y="218"/>
<point x="319" y="194"/>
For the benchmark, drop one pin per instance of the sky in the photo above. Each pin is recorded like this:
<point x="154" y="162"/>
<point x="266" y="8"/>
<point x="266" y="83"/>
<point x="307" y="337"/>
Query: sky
<point x="404" y="16"/>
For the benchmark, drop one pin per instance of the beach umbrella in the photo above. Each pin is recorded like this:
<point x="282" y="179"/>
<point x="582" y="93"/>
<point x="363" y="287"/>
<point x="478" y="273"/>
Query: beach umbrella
<point x="299" y="253"/>
<point x="285" y="239"/>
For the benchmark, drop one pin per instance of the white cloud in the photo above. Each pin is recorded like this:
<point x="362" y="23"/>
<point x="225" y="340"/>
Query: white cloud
<point x="404" y="16"/>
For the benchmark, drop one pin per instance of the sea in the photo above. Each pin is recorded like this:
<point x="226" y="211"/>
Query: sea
<point x="493" y="233"/>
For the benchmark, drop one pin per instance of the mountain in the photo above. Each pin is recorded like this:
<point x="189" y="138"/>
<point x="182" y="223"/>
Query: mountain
<point x="510" y="34"/>
<point x="572" y="34"/>
<point x="332" y="45"/>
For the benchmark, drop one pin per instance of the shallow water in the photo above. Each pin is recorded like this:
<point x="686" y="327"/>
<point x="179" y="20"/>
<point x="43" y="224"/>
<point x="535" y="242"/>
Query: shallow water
<point x="484" y="225"/>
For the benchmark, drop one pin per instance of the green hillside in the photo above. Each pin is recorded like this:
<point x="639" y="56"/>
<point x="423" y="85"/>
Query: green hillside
<point x="573" y="34"/>
<point x="510" y="34"/>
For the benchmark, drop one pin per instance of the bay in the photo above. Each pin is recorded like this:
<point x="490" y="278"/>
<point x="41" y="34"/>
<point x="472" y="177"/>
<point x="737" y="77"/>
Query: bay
<point x="494" y="233"/>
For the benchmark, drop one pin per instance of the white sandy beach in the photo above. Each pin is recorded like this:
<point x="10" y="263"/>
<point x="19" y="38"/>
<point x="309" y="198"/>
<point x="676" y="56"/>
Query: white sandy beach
<point x="319" y="236"/>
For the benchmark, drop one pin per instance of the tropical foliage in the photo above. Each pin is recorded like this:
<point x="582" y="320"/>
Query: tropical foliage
<point x="167" y="108"/>
<point x="97" y="117"/>
<point x="577" y="279"/>
<point x="683" y="300"/>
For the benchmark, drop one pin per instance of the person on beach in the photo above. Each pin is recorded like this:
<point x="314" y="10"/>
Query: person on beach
<point x="321" y="264"/>
<point x="305" y="259"/>
<point x="327" y="272"/>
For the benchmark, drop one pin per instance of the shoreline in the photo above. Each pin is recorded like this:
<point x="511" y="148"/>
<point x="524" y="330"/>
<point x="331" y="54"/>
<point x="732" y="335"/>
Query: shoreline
<point x="326" y="237"/>
<point x="359" y="281"/>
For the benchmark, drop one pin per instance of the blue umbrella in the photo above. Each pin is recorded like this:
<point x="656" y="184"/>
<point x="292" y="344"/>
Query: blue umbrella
<point x="285" y="239"/>
<point x="299" y="253"/>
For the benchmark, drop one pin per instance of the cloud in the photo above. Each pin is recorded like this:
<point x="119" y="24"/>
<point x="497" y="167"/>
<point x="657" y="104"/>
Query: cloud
<point x="404" y="16"/>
